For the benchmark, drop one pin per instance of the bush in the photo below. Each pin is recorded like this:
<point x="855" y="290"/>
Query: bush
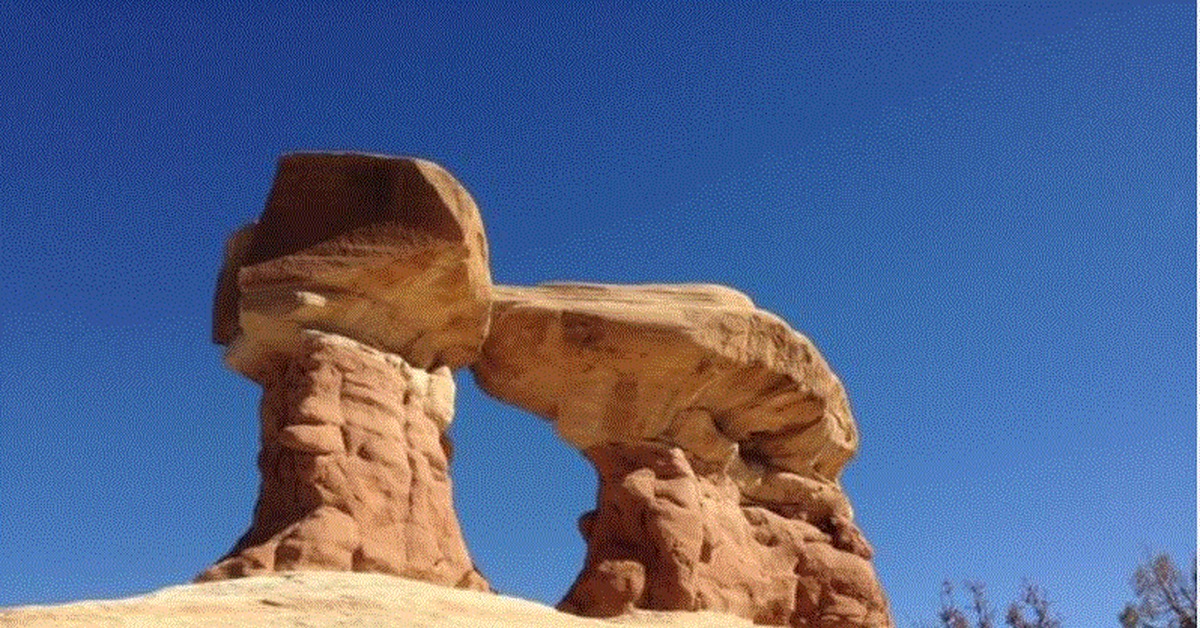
<point x="1163" y="598"/>
<point x="1032" y="610"/>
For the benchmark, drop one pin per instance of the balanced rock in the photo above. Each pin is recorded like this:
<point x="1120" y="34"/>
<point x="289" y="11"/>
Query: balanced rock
<point x="697" y="365"/>
<point x="718" y="434"/>
<point x="388" y="251"/>
<point x="362" y="285"/>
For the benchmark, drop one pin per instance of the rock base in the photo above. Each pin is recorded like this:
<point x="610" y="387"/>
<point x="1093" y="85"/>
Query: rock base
<point x="354" y="466"/>
<point x="666" y="538"/>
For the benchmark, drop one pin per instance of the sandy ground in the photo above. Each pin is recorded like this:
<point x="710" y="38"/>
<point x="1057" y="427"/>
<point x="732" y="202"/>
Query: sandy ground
<point x="313" y="599"/>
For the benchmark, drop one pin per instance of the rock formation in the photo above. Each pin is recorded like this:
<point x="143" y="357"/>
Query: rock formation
<point x="314" y="599"/>
<point x="388" y="251"/>
<point x="717" y="431"/>
<point x="354" y="466"/>
<point x="718" y="434"/>
<point x="365" y="281"/>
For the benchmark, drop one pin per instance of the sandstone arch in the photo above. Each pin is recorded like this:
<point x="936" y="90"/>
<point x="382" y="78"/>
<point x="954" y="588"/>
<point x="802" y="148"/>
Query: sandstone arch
<point x="718" y="432"/>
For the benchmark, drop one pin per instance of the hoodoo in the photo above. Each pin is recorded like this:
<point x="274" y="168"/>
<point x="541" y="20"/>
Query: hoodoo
<point x="718" y="434"/>
<point x="717" y="431"/>
<point x="364" y="282"/>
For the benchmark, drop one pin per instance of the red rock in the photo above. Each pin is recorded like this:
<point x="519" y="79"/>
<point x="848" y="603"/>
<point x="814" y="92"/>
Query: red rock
<point x="697" y="365"/>
<point x="718" y="433"/>
<point x="664" y="538"/>
<point x="354" y="471"/>
<point x="389" y="251"/>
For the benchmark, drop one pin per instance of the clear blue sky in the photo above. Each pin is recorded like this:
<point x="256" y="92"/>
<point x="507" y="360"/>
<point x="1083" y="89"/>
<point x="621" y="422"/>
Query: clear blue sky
<point x="984" y="215"/>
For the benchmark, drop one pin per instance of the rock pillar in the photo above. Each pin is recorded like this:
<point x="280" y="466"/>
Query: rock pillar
<point x="364" y="282"/>
<point x="718" y="434"/>
<point x="354" y="465"/>
<point x="665" y="537"/>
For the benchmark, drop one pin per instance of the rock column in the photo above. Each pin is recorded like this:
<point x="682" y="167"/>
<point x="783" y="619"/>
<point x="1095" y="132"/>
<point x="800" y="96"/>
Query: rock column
<point x="717" y="433"/>
<point x="354" y="467"/>
<point x="363" y="284"/>
<point x="663" y="537"/>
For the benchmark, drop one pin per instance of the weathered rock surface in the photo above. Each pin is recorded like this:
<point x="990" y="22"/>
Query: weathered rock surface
<point x="663" y="537"/>
<point x="315" y="599"/>
<point x="388" y="251"/>
<point x="718" y="434"/>
<point x="354" y="466"/>
<point x="697" y="365"/>
<point x="362" y="284"/>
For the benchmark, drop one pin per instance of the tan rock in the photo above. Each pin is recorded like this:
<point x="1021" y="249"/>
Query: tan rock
<point x="664" y="538"/>
<point x="313" y="439"/>
<point x="389" y="251"/>
<point x="225" y="301"/>
<point x="820" y="503"/>
<point x="697" y="365"/>
<point x="316" y="599"/>
<point x="355" y="476"/>
<point x="718" y="434"/>
<point x="696" y="431"/>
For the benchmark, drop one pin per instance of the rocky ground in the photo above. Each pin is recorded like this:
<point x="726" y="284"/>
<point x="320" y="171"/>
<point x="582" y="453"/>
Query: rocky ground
<point x="313" y="599"/>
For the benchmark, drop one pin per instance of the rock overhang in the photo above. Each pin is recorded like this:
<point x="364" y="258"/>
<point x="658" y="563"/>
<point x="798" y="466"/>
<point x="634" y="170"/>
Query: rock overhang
<point x="388" y="250"/>
<point x="694" y="364"/>
<point x="718" y="432"/>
